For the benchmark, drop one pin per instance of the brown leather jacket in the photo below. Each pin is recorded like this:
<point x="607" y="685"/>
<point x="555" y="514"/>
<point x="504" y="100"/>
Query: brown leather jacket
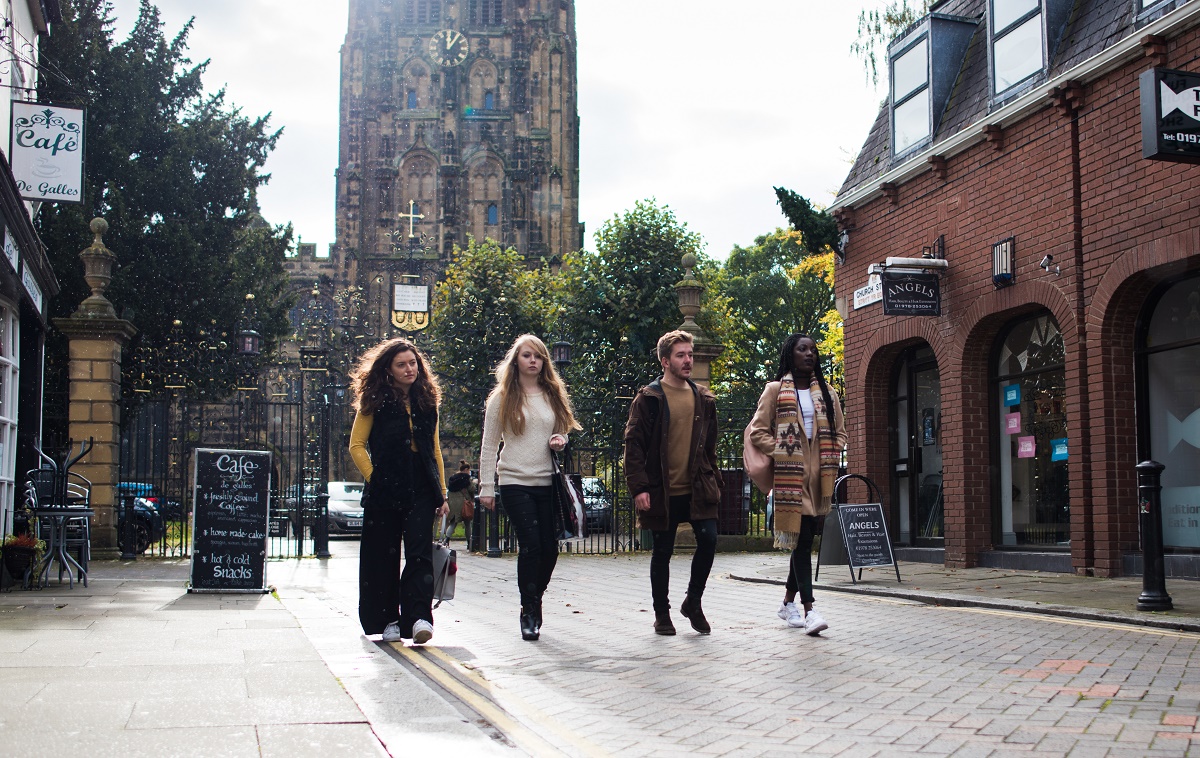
<point x="646" y="463"/>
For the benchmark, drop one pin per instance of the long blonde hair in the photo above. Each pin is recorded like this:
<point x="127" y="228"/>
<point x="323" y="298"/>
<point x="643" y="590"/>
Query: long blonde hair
<point x="512" y="400"/>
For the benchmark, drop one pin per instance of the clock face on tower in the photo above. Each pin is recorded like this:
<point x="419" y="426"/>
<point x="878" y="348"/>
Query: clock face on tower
<point x="448" y="47"/>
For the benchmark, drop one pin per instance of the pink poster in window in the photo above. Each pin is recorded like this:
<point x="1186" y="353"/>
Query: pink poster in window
<point x="1012" y="423"/>
<point x="1026" y="447"/>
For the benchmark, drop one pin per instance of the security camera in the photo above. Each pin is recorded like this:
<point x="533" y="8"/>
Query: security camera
<point x="1048" y="264"/>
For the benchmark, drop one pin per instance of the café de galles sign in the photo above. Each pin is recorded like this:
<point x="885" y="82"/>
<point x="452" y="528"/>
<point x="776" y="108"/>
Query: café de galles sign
<point x="46" y="152"/>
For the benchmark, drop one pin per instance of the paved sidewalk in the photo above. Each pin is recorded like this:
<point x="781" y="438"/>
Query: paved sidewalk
<point x="1028" y="591"/>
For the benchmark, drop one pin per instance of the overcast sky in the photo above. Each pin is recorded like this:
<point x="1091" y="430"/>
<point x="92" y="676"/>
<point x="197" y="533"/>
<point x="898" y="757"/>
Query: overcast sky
<point x="702" y="104"/>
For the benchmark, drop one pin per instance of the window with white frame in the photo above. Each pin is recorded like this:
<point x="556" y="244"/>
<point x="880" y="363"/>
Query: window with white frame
<point x="1017" y="42"/>
<point x="910" y="96"/>
<point x="9" y="366"/>
<point x="1149" y="8"/>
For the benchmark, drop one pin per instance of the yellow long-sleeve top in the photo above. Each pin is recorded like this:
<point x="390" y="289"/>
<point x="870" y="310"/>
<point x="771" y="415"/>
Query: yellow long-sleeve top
<point x="361" y="432"/>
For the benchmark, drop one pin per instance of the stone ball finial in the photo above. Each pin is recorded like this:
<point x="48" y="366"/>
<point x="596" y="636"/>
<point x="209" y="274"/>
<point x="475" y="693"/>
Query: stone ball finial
<point x="689" y="261"/>
<point x="99" y="226"/>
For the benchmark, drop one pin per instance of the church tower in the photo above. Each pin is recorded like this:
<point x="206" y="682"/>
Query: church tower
<point x="458" y="117"/>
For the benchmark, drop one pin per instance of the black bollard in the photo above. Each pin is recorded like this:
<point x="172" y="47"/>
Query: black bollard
<point x="321" y="527"/>
<point x="1154" y="595"/>
<point x="129" y="532"/>
<point x="493" y="531"/>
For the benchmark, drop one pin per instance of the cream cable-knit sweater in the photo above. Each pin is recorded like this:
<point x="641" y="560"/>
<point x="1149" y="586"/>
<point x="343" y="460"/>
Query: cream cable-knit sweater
<point x="526" y="458"/>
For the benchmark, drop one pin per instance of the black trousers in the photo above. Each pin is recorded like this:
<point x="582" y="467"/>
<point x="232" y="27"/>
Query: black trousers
<point x="531" y="512"/>
<point x="384" y="593"/>
<point x="664" y="547"/>
<point x="800" y="576"/>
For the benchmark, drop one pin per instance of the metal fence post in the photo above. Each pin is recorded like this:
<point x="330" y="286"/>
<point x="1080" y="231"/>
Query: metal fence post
<point x="1154" y="595"/>
<point x="493" y="532"/>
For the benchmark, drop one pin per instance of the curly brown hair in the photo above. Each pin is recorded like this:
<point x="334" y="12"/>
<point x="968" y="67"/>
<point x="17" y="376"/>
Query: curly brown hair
<point x="371" y="383"/>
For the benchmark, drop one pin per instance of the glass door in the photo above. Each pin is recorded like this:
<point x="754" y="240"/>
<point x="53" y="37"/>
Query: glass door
<point x="917" y="450"/>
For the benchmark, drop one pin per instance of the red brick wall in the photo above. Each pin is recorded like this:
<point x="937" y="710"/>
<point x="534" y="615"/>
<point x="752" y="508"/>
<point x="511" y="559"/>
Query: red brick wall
<point x="1137" y="223"/>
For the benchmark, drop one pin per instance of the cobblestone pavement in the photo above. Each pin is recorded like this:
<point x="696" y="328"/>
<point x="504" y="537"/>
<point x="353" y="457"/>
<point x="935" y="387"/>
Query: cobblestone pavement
<point x="890" y="676"/>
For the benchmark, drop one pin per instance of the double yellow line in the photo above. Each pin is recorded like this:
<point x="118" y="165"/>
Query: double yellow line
<point x="516" y="719"/>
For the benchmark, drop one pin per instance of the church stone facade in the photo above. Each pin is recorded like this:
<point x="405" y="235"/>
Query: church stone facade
<point x="458" y="119"/>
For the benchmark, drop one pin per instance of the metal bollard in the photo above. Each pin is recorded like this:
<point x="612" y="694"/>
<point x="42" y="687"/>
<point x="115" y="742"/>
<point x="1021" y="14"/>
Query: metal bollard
<point x="1154" y="595"/>
<point x="493" y="532"/>
<point x="321" y="528"/>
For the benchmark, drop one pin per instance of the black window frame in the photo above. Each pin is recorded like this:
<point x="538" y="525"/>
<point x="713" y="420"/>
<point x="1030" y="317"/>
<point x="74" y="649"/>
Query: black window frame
<point x="994" y="35"/>
<point x="926" y="87"/>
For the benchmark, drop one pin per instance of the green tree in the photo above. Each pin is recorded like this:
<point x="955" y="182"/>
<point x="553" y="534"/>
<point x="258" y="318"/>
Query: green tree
<point x="817" y="228"/>
<point x="879" y="26"/>
<point x="616" y="302"/>
<point x="175" y="173"/>
<point x="767" y="291"/>
<point x="487" y="299"/>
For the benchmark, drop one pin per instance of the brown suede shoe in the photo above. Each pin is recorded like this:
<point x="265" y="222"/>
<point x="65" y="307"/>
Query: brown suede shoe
<point x="663" y="624"/>
<point x="695" y="614"/>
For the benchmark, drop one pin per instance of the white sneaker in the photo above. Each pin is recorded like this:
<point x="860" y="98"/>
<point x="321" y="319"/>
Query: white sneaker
<point x="391" y="632"/>
<point x="791" y="614"/>
<point x="422" y="631"/>
<point x="814" y="624"/>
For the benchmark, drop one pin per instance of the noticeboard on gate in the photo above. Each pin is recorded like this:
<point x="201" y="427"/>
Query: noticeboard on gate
<point x="231" y="499"/>
<point x="1170" y="103"/>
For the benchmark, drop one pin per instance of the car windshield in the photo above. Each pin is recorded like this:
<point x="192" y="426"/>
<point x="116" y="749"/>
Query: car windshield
<point x="345" y="488"/>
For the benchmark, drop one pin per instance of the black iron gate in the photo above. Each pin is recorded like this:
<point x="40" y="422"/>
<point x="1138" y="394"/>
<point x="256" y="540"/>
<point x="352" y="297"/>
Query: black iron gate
<point x="157" y="449"/>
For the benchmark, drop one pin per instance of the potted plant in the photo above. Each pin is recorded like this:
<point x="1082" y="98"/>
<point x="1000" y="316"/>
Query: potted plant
<point x="21" y="552"/>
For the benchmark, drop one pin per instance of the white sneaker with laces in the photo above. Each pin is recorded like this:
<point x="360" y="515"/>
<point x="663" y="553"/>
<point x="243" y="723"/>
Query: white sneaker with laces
<point x="791" y="614"/>
<point x="391" y="632"/>
<point x="422" y="631"/>
<point x="814" y="624"/>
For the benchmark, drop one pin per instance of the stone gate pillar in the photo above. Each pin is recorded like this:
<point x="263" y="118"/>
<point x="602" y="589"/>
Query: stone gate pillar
<point x="704" y="350"/>
<point x="96" y="337"/>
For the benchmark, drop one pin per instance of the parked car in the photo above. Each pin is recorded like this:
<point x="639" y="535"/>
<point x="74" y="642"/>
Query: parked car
<point x="597" y="505"/>
<point x="147" y="524"/>
<point x="169" y="508"/>
<point x="345" y="507"/>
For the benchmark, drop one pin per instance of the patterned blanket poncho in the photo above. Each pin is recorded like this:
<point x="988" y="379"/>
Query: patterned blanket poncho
<point x="791" y="475"/>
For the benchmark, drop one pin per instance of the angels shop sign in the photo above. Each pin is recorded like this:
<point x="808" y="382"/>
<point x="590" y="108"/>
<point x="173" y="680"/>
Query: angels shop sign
<point x="46" y="152"/>
<point x="911" y="294"/>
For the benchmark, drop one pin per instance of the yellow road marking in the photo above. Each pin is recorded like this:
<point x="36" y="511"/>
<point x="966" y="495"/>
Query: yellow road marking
<point x="483" y="697"/>
<point x="1076" y="622"/>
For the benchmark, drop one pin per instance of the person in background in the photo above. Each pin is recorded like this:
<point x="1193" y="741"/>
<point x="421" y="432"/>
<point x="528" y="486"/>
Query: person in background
<point x="799" y="423"/>
<point x="463" y="490"/>
<point x="395" y="445"/>
<point x="671" y="469"/>
<point x="530" y="412"/>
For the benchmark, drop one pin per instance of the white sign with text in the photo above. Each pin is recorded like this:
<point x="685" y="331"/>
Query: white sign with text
<point x="46" y="152"/>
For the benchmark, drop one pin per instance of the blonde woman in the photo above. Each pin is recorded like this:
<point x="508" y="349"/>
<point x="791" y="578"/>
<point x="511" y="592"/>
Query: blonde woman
<point x="530" y="412"/>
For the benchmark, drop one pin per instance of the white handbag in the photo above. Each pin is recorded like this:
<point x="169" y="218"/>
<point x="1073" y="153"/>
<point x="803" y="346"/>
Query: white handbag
<point x="445" y="567"/>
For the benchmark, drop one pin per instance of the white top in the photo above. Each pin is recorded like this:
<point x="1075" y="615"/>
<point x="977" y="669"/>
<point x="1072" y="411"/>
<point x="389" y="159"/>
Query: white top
<point x="526" y="458"/>
<point x="807" y="411"/>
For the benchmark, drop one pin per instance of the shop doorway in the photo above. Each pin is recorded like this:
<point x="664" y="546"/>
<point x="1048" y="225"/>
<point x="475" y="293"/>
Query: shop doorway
<point x="916" y="466"/>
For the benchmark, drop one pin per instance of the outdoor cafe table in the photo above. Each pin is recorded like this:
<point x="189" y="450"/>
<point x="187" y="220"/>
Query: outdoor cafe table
<point x="56" y="548"/>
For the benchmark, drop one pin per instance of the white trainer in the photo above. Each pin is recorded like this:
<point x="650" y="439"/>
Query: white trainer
<point x="422" y="631"/>
<point x="391" y="632"/>
<point x="791" y="614"/>
<point x="814" y="624"/>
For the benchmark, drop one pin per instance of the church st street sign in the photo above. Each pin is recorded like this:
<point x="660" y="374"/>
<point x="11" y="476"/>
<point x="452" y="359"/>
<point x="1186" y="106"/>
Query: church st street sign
<point x="1170" y="115"/>
<point x="46" y="152"/>
<point x="911" y="295"/>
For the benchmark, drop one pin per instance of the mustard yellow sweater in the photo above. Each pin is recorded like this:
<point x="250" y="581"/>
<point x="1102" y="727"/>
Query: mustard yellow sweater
<point x="361" y="431"/>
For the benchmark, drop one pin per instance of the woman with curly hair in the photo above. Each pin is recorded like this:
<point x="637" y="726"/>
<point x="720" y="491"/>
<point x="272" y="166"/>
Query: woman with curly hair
<point x="395" y="445"/>
<point x="799" y="424"/>
<point x="530" y="412"/>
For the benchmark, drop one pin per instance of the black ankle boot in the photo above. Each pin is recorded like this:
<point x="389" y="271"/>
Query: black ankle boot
<point x="663" y="624"/>
<point x="529" y="630"/>
<point x="693" y="613"/>
<point x="537" y="617"/>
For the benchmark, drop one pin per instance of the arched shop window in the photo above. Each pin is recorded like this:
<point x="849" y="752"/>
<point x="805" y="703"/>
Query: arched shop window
<point x="1031" y="436"/>
<point x="1169" y="401"/>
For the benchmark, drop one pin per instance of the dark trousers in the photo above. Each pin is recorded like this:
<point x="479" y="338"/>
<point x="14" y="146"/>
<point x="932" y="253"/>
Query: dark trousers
<point x="664" y="547"/>
<point x="531" y="512"/>
<point x="384" y="593"/>
<point x="800" y="576"/>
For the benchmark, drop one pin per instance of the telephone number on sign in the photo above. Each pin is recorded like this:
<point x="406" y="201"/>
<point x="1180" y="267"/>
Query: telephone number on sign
<point x="1193" y="139"/>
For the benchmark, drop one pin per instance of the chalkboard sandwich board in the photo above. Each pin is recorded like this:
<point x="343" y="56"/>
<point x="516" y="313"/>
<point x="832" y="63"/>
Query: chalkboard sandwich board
<point x="863" y="531"/>
<point x="231" y="505"/>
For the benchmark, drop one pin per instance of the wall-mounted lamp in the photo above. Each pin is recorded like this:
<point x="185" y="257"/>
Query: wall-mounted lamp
<point x="1048" y="264"/>
<point x="1004" y="255"/>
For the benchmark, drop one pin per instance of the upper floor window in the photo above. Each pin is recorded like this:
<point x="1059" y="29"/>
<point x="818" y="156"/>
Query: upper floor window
<point x="1017" y="42"/>
<point x="486" y="12"/>
<point x="910" y="97"/>
<point x="422" y="11"/>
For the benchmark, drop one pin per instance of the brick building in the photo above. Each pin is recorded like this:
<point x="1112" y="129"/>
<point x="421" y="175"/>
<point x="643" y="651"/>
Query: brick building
<point x="1006" y="169"/>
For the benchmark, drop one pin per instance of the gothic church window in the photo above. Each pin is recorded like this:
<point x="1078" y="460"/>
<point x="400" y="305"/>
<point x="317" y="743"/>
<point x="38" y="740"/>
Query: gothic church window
<point x="486" y="12"/>
<point x="485" y="179"/>
<point x="539" y="76"/>
<point x="493" y="215"/>
<point x="411" y="101"/>
<point x="483" y="82"/>
<point x="422" y="11"/>
<point x="489" y="101"/>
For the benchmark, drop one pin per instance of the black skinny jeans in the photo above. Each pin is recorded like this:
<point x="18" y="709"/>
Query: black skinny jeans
<point x="664" y="547"/>
<point x="800" y="576"/>
<point x="531" y="512"/>
<point x="384" y="593"/>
